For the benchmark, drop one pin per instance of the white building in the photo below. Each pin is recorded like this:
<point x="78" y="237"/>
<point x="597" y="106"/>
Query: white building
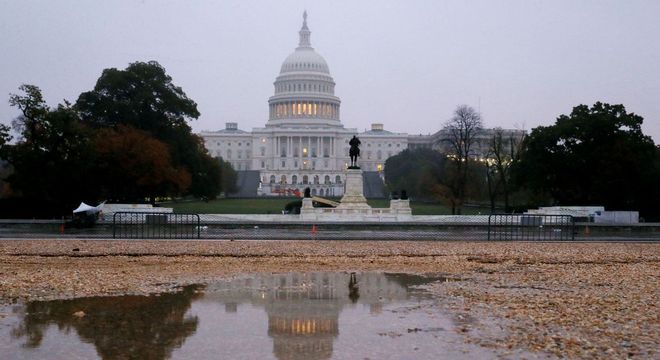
<point x="304" y="144"/>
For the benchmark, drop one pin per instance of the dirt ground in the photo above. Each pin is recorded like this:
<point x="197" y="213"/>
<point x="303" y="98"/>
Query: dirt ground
<point x="586" y="300"/>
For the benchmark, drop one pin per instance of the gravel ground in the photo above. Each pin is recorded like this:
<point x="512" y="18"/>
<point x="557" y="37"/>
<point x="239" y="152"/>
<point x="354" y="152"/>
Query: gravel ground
<point x="586" y="300"/>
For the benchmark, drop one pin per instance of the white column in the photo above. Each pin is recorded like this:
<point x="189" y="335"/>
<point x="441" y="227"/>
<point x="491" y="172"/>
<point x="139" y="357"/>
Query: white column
<point x="289" y="148"/>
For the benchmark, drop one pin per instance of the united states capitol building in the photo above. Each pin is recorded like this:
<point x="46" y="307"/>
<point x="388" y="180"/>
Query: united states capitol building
<point x="304" y="144"/>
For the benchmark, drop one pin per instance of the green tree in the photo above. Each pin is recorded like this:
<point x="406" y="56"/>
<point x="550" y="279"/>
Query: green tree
<point x="228" y="176"/>
<point x="594" y="156"/>
<point x="53" y="160"/>
<point x="417" y="171"/>
<point x="5" y="138"/>
<point x="143" y="96"/>
<point x="30" y="124"/>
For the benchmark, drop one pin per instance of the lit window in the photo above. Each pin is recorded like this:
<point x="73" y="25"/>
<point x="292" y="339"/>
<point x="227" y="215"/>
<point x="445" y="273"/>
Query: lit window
<point x="379" y="167"/>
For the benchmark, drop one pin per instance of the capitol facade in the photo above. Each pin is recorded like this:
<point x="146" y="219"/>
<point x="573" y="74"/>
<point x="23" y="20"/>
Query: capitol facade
<point x="304" y="144"/>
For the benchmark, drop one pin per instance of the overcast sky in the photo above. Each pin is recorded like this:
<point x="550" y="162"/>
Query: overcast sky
<point x="406" y="64"/>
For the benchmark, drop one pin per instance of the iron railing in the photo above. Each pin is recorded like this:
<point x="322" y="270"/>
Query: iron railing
<point x="510" y="227"/>
<point x="149" y="225"/>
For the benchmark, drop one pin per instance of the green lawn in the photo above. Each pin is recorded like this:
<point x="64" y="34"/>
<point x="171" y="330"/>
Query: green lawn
<point x="275" y="206"/>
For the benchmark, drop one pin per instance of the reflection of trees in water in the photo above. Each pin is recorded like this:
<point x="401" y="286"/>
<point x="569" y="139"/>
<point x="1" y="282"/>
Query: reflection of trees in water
<point x="139" y="327"/>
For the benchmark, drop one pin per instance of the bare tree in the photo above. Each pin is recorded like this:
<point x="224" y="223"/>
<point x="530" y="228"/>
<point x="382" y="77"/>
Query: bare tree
<point x="461" y="131"/>
<point x="503" y="152"/>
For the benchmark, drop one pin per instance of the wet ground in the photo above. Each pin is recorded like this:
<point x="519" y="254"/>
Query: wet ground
<point x="570" y="300"/>
<point x="319" y="315"/>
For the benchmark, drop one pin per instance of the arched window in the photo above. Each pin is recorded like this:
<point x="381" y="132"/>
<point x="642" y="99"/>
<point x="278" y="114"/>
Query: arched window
<point x="294" y="179"/>
<point x="327" y="180"/>
<point x="272" y="179"/>
<point x="313" y="191"/>
<point x="316" y="179"/>
<point x="283" y="179"/>
<point x="305" y="179"/>
<point x="338" y="179"/>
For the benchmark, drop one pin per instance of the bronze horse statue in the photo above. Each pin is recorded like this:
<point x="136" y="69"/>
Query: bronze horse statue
<point x="354" y="152"/>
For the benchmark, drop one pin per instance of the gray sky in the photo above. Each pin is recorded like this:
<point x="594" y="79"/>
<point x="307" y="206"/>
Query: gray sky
<point x="406" y="64"/>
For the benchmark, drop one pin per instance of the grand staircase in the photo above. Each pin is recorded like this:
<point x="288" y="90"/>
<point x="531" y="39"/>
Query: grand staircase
<point x="372" y="185"/>
<point x="247" y="182"/>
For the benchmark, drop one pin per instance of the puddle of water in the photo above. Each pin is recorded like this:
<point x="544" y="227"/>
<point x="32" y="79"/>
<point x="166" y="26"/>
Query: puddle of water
<point x="276" y="316"/>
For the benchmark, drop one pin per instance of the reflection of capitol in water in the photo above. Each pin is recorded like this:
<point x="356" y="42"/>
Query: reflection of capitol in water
<point x="303" y="309"/>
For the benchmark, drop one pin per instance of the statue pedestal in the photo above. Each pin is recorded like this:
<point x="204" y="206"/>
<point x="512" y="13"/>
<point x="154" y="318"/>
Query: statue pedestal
<point x="353" y="193"/>
<point x="354" y="207"/>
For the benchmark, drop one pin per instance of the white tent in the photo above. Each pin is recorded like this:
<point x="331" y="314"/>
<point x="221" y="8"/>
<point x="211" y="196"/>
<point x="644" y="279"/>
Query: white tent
<point x="88" y="208"/>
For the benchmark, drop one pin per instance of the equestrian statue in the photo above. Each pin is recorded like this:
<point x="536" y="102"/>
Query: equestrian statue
<point x="354" y="152"/>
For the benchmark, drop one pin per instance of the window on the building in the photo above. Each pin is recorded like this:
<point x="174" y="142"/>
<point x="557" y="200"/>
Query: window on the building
<point x="272" y="179"/>
<point x="326" y="180"/>
<point x="294" y="179"/>
<point x="338" y="179"/>
<point x="263" y="164"/>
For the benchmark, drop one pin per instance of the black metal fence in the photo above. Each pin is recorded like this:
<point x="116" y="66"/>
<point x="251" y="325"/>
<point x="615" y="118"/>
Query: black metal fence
<point x="509" y="227"/>
<point x="140" y="225"/>
<point x="147" y="225"/>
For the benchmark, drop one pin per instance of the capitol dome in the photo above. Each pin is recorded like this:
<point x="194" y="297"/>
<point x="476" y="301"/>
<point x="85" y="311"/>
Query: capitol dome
<point x="304" y="89"/>
<point x="305" y="59"/>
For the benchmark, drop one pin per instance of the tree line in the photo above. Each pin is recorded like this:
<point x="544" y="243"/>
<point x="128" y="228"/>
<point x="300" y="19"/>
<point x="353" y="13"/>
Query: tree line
<point x="126" y="140"/>
<point x="595" y="155"/>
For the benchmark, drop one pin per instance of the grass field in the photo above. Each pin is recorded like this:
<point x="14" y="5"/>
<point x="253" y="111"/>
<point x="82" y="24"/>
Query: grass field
<point x="275" y="206"/>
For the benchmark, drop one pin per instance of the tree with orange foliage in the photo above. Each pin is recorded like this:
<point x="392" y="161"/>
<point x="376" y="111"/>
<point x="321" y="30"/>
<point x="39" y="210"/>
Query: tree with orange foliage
<point x="134" y="166"/>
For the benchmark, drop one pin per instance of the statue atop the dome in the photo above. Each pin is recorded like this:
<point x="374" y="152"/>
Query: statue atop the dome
<point x="354" y="152"/>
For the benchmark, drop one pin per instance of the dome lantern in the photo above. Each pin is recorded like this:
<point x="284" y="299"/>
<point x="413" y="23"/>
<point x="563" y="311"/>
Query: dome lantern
<point x="304" y="34"/>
